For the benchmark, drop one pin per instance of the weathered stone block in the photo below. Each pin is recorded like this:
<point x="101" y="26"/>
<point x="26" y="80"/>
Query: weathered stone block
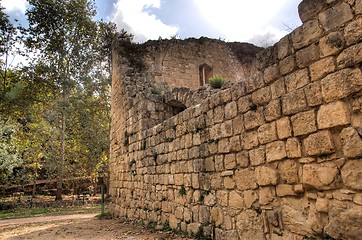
<point x="319" y="143"/>
<point x="284" y="47"/>
<point x="266" y="195"/>
<point x="261" y="96"/>
<point x="358" y="7"/>
<point x="287" y="65"/>
<point x="297" y="80"/>
<point x="322" y="68"/>
<point x="331" y="44"/>
<point x="242" y="159"/>
<point x="236" y="200"/>
<point x="230" y="161"/>
<point x="271" y="73"/>
<point x="336" y="16"/>
<point x="249" y="198"/>
<point x="229" y="183"/>
<point x="245" y="179"/>
<point x="322" y="205"/>
<point x="278" y="88"/>
<point x="222" y="198"/>
<point x="219" y="114"/>
<point x="346" y="225"/>
<point x="285" y="190"/>
<point x="353" y="31"/>
<point x="253" y="119"/>
<point x="275" y="151"/>
<point x="257" y="156"/>
<point x="226" y="129"/>
<point x="306" y="34"/>
<point x="288" y="170"/>
<point x="249" y="140"/>
<point x="284" y="129"/>
<point x="304" y="123"/>
<point x="267" y="133"/>
<point x="238" y="124"/>
<point x="217" y="216"/>
<point x="313" y="93"/>
<point x="320" y="176"/>
<point x="231" y="110"/>
<point x="244" y="104"/>
<point x="350" y="56"/>
<point x="294" y="102"/>
<point x="293" y="148"/>
<point x="273" y="110"/>
<point x="235" y="144"/>
<point x="248" y="225"/>
<point x="309" y="9"/>
<point x="341" y="84"/>
<point x="352" y="143"/>
<point x="333" y="114"/>
<point x="223" y="145"/>
<point x="266" y="176"/>
<point x="308" y="55"/>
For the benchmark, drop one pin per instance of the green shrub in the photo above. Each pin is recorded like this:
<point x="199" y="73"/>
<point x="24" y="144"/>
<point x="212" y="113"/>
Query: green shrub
<point x="216" y="82"/>
<point x="157" y="90"/>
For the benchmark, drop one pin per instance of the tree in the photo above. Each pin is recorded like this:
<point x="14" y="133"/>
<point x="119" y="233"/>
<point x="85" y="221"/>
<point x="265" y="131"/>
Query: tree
<point x="63" y="35"/>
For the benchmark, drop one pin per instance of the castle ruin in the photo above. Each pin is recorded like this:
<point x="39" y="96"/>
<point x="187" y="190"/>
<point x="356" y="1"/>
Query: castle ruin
<point x="274" y="154"/>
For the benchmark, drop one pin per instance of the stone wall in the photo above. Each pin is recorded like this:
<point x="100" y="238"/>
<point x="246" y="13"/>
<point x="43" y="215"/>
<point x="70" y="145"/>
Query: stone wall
<point x="275" y="156"/>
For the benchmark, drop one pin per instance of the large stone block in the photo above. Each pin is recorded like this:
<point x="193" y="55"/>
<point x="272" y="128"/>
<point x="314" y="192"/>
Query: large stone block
<point x="352" y="143"/>
<point x="285" y="190"/>
<point x="287" y="65"/>
<point x="341" y="84"/>
<point x="308" y="55"/>
<point x="336" y="16"/>
<point x="273" y="110"/>
<point x="309" y="9"/>
<point x="267" y="133"/>
<point x="245" y="179"/>
<point x="347" y="225"/>
<point x="284" y="47"/>
<point x="253" y="119"/>
<point x="353" y="31"/>
<point x="278" y="88"/>
<point x="297" y="79"/>
<point x="236" y="200"/>
<point x="284" y="128"/>
<point x="319" y="143"/>
<point x="358" y="7"/>
<point x="249" y="225"/>
<point x="266" y="195"/>
<point x="231" y="110"/>
<point x="288" y="170"/>
<point x="271" y="73"/>
<point x="350" y="56"/>
<point x="333" y="114"/>
<point x="261" y="96"/>
<point x="294" y="148"/>
<point x="266" y="176"/>
<point x="226" y="129"/>
<point x="306" y="34"/>
<point x="352" y="174"/>
<point x="294" y="102"/>
<point x="257" y="156"/>
<point x="331" y="44"/>
<point x="275" y="151"/>
<point x="313" y="93"/>
<point x="304" y="123"/>
<point x="321" y="176"/>
<point x="249" y="140"/>
<point x="322" y="68"/>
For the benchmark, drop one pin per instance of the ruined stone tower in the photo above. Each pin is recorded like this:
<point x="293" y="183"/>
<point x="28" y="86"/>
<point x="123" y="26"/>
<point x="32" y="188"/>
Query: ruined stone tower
<point x="275" y="154"/>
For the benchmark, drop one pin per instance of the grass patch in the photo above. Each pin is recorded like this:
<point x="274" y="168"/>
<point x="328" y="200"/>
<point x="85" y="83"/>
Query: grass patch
<point x="37" y="212"/>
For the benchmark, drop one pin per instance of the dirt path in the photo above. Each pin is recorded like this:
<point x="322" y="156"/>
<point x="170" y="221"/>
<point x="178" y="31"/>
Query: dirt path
<point x="79" y="226"/>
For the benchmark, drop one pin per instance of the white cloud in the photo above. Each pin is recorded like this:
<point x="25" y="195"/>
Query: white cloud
<point x="14" y="5"/>
<point x="241" y="20"/>
<point x="132" y="15"/>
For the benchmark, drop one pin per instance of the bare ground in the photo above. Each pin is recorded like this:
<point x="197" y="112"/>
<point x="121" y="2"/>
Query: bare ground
<point x="79" y="226"/>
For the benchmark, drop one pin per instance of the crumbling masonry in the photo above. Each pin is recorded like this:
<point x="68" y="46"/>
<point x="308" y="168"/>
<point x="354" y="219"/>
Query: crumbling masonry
<point x="275" y="154"/>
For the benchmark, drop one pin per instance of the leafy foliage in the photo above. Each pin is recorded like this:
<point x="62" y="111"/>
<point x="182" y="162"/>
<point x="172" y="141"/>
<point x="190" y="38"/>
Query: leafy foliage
<point x="216" y="82"/>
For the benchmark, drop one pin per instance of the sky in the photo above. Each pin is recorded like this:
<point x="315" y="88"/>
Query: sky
<point x="261" y="22"/>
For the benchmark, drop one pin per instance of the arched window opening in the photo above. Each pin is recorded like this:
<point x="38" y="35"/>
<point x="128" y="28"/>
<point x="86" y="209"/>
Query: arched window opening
<point x="177" y="107"/>
<point x="205" y="72"/>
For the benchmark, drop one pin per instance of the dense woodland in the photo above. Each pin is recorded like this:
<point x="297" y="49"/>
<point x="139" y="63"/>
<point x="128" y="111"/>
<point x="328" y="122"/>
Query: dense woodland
<point x="54" y="107"/>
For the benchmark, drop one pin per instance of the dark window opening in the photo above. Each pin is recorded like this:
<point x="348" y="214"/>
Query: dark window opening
<point x="177" y="107"/>
<point x="205" y="73"/>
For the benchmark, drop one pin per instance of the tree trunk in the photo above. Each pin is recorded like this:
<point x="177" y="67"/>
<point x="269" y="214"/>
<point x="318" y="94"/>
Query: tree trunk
<point x="58" y="196"/>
